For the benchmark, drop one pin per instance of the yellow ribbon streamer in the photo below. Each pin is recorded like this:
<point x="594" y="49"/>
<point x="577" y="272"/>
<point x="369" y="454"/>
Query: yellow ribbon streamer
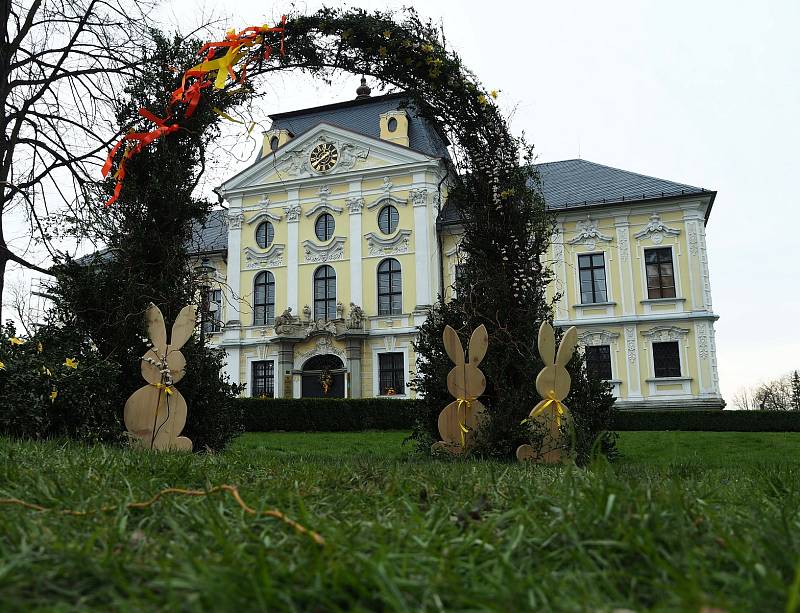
<point x="223" y="65"/>
<point x="462" y="425"/>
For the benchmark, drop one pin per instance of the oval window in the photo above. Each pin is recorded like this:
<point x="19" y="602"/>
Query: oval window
<point x="391" y="125"/>
<point x="273" y="143"/>
<point x="265" y="234"/>
<point x="324" y="227"/>
<point x="388" y="219"/>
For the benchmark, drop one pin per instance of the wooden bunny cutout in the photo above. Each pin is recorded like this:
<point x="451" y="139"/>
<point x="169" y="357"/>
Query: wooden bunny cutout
<point x="459" y="420"/>
<point x="553" y="385"/>
<point x="156" y="413"/>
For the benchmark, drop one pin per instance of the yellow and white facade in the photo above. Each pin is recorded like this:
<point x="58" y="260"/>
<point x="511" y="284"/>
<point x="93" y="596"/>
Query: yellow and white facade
<point x="333" y="255"/>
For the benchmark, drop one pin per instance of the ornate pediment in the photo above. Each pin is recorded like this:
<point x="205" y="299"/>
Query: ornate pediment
<point x="323" y="206"/>
<point x="379" y="245"/>
<point x="665" y="333"/>
<point x="592" y="338"/>
<point x="296" y="163"/>
<point x="589" y="233"/>
<point x="264" y="216"/>
<point x="387" y="200"/>
<point x="324" y="253"/>
<point x="656" y="230"/>
<point x="270" y="258"/>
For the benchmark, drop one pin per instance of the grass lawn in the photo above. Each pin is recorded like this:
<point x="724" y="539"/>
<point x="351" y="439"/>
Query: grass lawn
<point x="681" y="521"/>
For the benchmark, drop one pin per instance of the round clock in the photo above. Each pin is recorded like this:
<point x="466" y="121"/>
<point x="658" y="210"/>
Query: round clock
<point x="323" y="157"/>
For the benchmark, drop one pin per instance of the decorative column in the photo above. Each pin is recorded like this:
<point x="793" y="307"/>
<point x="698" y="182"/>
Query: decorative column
<point x="692" y="220"/>
<point x="292" y="210"/>
<point x="354" y="342"/>
<point x="633" y="362"/>
<point x="626" y="291"/>
<point x="233" y="294"/>
<point x="422" y="244"/>
<point x="355" y="204"/>
<point x="283" y="371"/>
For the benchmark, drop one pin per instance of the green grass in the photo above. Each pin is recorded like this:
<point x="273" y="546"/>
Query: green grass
<point x="404" y="532"/>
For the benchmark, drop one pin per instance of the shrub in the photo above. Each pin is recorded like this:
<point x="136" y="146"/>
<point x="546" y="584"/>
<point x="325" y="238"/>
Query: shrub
<point x="42" y="396"/>
<point x="327" y="414"/>
<point x="708" y="420"/>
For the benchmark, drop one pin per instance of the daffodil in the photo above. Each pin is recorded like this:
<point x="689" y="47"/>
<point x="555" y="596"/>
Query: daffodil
<point x="494" y="93"/>
<point x="2" y="366"/>
<point x="16" y="341"/>
<point x="71" y="363"/>
<point x="39" y="347"/>
<point x="53" y="395"/>
<point x="482" y="100"/>
<point x="46" y="371"/>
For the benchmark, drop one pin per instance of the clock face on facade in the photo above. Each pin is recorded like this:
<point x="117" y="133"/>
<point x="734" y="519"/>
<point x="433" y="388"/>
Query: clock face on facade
<point x="324" y="157"/>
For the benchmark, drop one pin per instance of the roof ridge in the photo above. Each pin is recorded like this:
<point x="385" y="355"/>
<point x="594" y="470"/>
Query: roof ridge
<point x="630" y="172"/>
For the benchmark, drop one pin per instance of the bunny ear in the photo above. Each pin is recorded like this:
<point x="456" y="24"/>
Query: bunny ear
<point x="156" y="330"/>
<point x="547" y="343"/>
<point x="478" y="345"/>
<point x="183" y="327"/>
<point x="453" y="346"/>
<point x="567" y="346"/>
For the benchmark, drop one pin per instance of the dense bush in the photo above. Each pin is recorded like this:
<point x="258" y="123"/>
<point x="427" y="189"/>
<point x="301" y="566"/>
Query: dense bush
<point x="327" y="414"/>
<point x="708" y="421"/>
<point x="55" y="384"/>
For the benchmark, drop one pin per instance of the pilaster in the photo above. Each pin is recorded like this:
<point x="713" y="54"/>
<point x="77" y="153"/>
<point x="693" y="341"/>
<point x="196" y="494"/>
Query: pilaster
<point x="354" y="344"/>
<point x="292" y="210"/>
<point x="355" y="204"/>
<point x="422" y="241"/>
<point x="624" y="261"/>
<point x="233" y="286"/>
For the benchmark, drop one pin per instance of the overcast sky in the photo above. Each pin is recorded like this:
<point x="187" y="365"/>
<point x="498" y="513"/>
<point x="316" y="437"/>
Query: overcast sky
<point x="704" y="93"/>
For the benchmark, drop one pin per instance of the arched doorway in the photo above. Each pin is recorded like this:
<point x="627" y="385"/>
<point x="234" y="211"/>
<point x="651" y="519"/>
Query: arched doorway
<point x="323" y="377"/>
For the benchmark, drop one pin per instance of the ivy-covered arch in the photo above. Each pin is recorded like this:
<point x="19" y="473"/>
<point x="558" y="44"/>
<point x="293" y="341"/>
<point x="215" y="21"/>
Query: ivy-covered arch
<point x="506" y="228"/>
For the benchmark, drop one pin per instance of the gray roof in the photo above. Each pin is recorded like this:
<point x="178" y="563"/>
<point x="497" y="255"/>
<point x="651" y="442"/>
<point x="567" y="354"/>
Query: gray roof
<point x="211" y="236"/>
<point x="363" y="116"/>
<point x="580" y="183"/>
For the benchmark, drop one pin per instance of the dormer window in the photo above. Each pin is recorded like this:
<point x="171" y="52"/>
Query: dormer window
<point x="391" y="125"/>
<point x="274" y="143"/>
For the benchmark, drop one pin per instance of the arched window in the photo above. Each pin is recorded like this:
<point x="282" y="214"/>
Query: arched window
<point x="387" y="219"/>
<point x="265" y="234"/>
<point x="325" y="293"/>
<point x="390" y="288"/>
<point x="324" y="227"/>
<point x="264" y="299"/>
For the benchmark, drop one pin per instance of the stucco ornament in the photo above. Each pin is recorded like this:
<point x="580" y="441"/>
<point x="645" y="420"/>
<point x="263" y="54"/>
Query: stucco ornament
<point x="355" y="320"/>
<point x="657" y="230"/>
<point x="285" y="322"/>
<point x="156" y="413"/>
<point x="589" y="233"/>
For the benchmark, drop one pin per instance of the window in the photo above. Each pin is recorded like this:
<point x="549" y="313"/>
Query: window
<point x="592" y="270"/>
<point x="325" y="293"/>
<point x="666" y="359"/>
<point x="390" y="288"/>
<point x="265" y="234"/>
<point x="388" y="219"/>
<point x="324" y="227"/>
<point x="273" y="143"/>
<point x="264" y="379"/>
<point x="391" y="125"/>
<point x="660" y="276"/>
<point x="212" y="318"/>
<point x="598" y="361"/>
<point x="264" y="303"/>
<point x="391" y="374"/>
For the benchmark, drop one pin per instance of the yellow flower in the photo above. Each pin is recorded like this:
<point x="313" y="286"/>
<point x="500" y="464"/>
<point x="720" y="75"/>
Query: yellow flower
<point x="387" y="33"/>
<point x="427" y="48"/>
<point x="16" y="341"/>
<point x="71" y="363"/>
<point x="53" y="395"/>
<point x="39" y="347"/>
<point x="46" y="371"/>
<point x="482" y="100"/>
<point x="2" y="366"/>
<point x="382" y="50"/>
<point x="494" y="93"/>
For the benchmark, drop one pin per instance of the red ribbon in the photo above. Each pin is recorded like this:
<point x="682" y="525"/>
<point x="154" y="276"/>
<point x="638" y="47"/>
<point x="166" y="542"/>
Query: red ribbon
<point x="189" y="95"/>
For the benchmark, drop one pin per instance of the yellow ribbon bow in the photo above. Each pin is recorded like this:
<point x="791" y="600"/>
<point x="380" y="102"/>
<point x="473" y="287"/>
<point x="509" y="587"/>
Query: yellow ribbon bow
<point x="166" y="388"/>
<point x="462" y="425"/>
<point x="560" y="409"/>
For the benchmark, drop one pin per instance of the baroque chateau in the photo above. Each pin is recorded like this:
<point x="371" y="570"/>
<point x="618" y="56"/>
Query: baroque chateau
<point x="339" y="237"/>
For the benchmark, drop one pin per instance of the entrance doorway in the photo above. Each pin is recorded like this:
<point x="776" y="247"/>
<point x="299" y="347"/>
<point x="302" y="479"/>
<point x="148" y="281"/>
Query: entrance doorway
<point x="323" y="377"/>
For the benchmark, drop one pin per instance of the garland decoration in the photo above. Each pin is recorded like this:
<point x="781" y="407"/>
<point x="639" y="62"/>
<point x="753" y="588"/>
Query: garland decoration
<point x="243" y="49"/>
<point x="226" y="488"/>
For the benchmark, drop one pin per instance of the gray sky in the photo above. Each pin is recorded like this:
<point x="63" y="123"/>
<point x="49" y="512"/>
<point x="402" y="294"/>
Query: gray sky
<point x="705" y="93"/>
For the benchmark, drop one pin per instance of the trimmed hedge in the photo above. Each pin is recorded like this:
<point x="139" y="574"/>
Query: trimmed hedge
<point x="327" y="414"/>
<point x="707" y="420"/>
